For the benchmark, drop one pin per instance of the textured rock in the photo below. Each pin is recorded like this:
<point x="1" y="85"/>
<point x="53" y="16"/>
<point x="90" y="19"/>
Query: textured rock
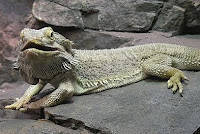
<point x="192" y="21"/>
<point x="90" y="39"/>
<point x="56" y="14"/>
<point x="128" y="15"/>
<point x="12" y="14"/>
<point x="33" y="127"/>
<point x="171" y="18"/>
<point x="119" y="15"/>
<point x="144" y="107"/>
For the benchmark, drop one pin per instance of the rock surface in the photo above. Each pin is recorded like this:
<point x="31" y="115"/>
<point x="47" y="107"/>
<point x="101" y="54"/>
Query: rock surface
<point x="171" y="18"/>
<point x="13" y="126"/>
<point x="144" y="107"/>
<point x="180" y="16"/>
<point x="12" y="14"/>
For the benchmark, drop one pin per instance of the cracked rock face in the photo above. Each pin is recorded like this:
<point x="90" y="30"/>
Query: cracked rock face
<point x="144" y="107"/>
<point x="100" y="14"/>
<point x="12" y="14"/>
<point x="179" y="16"/>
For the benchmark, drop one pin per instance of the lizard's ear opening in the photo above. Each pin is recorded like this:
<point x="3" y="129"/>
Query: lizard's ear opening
<point x="61" y="40"/>
<point x="67" y="44"/>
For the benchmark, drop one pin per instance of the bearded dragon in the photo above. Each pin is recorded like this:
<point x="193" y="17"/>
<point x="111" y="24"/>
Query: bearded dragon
<point x="46" y="56"/>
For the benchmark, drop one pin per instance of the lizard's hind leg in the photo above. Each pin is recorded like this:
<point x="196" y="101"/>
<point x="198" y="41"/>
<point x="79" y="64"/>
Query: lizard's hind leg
<point x="161" y="66"/>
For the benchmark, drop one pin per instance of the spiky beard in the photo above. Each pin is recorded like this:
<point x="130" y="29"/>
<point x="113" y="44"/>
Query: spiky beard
<point x="31" y="71"/>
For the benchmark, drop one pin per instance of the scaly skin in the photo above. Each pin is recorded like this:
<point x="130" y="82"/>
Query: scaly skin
<point x="46" y="57"/>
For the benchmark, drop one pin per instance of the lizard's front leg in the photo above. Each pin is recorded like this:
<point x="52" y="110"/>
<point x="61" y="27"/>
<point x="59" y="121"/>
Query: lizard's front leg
<point x="64" y="91"/>
<point x="161" y="66"/>
<point x="31" y="91"/>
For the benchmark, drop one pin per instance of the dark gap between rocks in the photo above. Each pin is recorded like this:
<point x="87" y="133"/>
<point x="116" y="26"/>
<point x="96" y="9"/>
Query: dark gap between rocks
<point x="41" y="115"/>
<point x="197" y="131"/>
<point x="74" y="124"/>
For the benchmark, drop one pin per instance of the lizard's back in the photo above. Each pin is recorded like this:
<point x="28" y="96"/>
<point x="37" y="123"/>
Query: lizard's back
<point x="102" y="69"/>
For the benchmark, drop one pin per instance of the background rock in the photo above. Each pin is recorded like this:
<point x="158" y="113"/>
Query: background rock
<point x="12" y="14"/>
<point x="171" y="18"/>
<point x="179" y="16"/>
<point x="119" y="15"/>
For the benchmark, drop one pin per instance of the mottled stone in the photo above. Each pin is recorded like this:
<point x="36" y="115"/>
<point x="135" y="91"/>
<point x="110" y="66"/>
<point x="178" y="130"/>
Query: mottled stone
<point x="144" y="107"/>
<point x="171" y="18"/>
<point x="14" y="126"/>
<point x="55" y="14"/>
<point x="129" y="15"/>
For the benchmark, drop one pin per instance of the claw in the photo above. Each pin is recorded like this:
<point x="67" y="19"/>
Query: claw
<point x="175" y="87"/>
<point x="175" y="82"/>
<point x="169" y="84"/>
<point x="181" y="94"/>
<point x="23" y="109"/>
<point x="174" y="92"/>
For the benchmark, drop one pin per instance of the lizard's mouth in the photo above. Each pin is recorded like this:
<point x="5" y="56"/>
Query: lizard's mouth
<point x="31" y="45"/>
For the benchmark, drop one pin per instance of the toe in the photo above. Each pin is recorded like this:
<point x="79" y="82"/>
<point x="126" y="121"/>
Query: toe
<point x="169" y="84"/>
<point x="175" y="87"/>
<point x="180" y="87"/>
<point x="10" y="107"/>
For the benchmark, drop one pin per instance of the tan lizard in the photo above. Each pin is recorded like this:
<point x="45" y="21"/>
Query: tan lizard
<point x="47" y="57"/>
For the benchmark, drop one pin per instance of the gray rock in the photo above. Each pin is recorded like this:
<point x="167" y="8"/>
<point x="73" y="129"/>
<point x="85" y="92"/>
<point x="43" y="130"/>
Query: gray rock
<point x="13" y="15"/>
<point x="129" y="15"/>
<point x="192" y="21"/>
<point x="171" y="18"/>
<point x="13" y="126"/>
<point x="56" y="14"/>
<point x="90" y="39"/>
<point x="144" y="107"/>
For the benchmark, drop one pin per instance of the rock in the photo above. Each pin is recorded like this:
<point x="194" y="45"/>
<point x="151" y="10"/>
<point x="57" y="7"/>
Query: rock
<point x="13" y="126"/>
<point x="12" y="14"/>
<point x="129" y="15"/>
<point x="57" y="15"/>
<point x="144" y="107"/>
<point x="192" y="21"/>
<point x="90" y="39"/>
<point x="171" y="18"/>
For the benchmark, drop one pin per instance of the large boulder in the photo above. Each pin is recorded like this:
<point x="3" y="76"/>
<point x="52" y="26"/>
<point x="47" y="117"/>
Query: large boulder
<point x="192" y="20"/>
<point x="179" y="16"/>
<point x="13" y="19"/>
<point x="144" y="107"/>
<point x="129" y="15"/>
<point x="171" y="19"/>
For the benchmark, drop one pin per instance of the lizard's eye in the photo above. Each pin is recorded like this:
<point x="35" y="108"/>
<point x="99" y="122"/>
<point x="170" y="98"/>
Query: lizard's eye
<point x="50" y="34"/>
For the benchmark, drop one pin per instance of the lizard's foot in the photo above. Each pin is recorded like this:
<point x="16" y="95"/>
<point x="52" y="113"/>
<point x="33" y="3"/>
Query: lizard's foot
<point x="19" y="104"/>
<point x="34" y="105"/>
<point x="30" y="106"/>
<point x="175" y="82"/>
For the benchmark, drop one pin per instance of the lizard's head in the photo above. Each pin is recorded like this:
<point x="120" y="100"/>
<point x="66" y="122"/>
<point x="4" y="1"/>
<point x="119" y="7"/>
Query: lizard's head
<point x="43" y="54"/>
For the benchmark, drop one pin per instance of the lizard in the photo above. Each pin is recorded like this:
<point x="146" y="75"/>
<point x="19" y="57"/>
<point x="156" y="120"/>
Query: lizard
<point x="45" y="56"/>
